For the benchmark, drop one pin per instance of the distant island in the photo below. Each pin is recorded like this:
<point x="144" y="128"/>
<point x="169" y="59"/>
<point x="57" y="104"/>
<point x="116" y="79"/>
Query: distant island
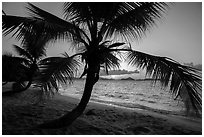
<point x="118" y="72"/>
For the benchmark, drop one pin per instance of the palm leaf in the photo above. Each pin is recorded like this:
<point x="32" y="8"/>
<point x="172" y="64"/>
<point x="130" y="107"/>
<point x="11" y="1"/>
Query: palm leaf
<point x="131" y="20"/>
<point x="22" y="52"/>
<point x="55" y="70"/>
<point x="77" y="12"/>
<point x="108" y="57"/>
<point x="3" y="12"/>
<point x="42" y="24"/>
<point x="116" y="45"/>
<point x="27" y="26"/>
<point x="23" y="29"/>
<point x="14" y="23"/>
<point x="170" y="72"/>
<point x="36" y="45"/>
<point x="67" y="29"/>
<point x="111" y="62"/>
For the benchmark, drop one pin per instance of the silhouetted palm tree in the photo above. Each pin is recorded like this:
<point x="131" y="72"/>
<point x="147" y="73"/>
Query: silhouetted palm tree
<point x="13" y="69"/>
<point x="99" y="32"/>
<point x="26" y="67"/>
<point x="32" y="50"/>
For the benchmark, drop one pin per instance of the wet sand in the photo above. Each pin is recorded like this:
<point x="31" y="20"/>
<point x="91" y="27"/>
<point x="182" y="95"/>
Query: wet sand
<point x="21" y="114"/>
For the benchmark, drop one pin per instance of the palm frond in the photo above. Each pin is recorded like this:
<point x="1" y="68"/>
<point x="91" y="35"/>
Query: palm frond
<point x="111" y="62"/>
<point x="42" y="24"/>
<point x="116" y="45"/>
<point x="170" y="72"/>
<point x="14" y="23"/>
<point x="35" y="44"/>
<point x="23" y="28"/>
<point x="131" y="20"/>
<point x="3" y="12"/>
<point x="28" y="26"/>
<point x="108" y="55"/>
<point x="80" y="49"/>
<point x="55" y="70"/>
<point x="66" y="29"/>
<point x="22" y="52"/>
<point x="76" y="11"/>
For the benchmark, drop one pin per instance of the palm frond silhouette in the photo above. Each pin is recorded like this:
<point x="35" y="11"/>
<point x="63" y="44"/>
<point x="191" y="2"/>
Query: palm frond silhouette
<point x="94" y="30"/>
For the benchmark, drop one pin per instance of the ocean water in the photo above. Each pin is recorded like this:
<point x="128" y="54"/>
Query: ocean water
<point x="128" y="93"/>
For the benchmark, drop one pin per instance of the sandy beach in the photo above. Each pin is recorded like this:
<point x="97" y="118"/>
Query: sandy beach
<point x="21" y="114"/>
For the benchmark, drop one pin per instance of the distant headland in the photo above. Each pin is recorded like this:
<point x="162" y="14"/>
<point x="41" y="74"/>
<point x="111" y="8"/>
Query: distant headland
<point x="117" y="72"/>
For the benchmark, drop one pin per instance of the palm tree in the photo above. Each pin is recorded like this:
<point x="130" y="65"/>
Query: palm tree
<point x="26" y="67"/>
<point x="100" y="33"/>
<point x="32" y="50"/>
<point x="13" y="69"/>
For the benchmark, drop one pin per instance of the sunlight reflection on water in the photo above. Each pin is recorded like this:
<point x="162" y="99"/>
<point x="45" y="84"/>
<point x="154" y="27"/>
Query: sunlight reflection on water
<point x="131" y="93"/>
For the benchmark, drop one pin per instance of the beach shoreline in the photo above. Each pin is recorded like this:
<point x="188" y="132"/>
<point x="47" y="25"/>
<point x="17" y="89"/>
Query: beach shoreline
<point x="21" y="116"/>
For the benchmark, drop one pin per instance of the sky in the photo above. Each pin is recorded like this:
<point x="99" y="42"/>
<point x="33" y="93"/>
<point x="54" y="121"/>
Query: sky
<point x="178" y="34"/>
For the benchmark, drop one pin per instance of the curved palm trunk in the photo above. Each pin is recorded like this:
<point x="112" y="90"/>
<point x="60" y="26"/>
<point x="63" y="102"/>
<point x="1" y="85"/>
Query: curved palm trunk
<point x="68" y="119"/>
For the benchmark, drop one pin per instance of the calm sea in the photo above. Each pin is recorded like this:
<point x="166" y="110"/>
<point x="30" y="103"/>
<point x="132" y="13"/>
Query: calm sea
<point x="128" y="93"/>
